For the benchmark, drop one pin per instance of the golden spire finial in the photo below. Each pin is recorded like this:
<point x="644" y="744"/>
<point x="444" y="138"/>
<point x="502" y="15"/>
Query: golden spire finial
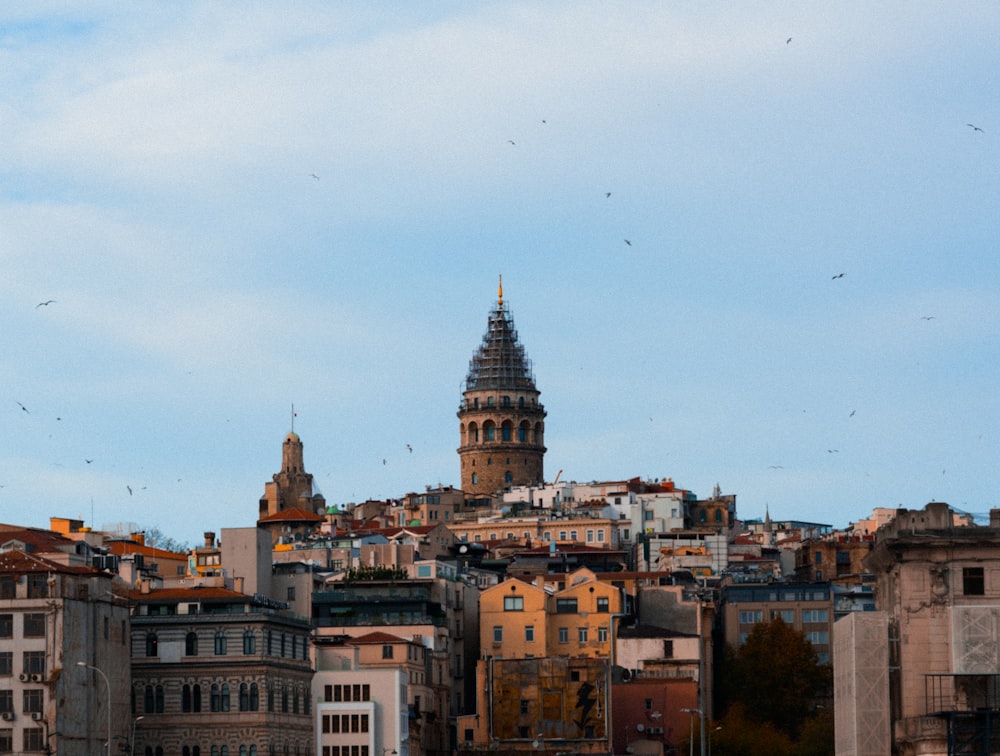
<point x="500" y="291"/>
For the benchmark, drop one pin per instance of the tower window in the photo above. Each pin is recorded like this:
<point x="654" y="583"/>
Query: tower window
<point x="490" y="433"/>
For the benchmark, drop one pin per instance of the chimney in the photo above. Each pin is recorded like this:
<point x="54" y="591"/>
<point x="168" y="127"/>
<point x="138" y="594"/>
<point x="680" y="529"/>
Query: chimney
<point x="209" y="539"/>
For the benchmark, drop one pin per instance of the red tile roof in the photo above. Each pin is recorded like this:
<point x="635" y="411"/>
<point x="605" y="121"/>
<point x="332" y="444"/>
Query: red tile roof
<point x="294" y="514"/>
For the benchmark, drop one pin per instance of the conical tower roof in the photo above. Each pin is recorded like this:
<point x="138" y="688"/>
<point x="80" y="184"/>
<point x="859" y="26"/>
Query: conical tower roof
<point x="500" y="361"/>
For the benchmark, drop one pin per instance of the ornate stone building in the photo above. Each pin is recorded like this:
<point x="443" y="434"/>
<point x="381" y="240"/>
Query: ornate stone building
<point x="292" y="488"/>
<point x="501" y="421"/>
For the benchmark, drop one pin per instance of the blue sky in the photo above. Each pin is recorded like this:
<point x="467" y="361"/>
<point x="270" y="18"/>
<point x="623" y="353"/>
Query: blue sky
<point x="157" y="182"/>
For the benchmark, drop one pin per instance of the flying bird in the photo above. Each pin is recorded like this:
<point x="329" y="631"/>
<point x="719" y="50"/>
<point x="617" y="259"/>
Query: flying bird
<point x="927" y="317"/>
<point x="788" y="41"/>
<point x="607" y="194"/>
<point x="409" y="449"/>
<point x="775" y="467"/>
<point x="46" y="303"/>
<point x="510" y="141"/>
<point x="852" y="413"/>
<point x="314" y="176"/>
<point x="129" y="490"/>
<point x="628" y="242"/>
<point x="975" y="128"/>
<point x="88" y="461"/>
<point x="831" y="451"/>
<point x="839" y="275"/>
<point x="22" y="406"/>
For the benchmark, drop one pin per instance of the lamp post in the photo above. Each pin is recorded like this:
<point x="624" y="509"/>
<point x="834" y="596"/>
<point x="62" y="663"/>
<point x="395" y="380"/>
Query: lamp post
<point x="692" y="712"/>
<point x="710" y="739"/>
<point x="107" y="682"/>
<point x="131" y="743"/>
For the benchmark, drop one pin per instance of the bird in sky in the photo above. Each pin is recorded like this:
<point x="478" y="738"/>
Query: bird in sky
<point x="927" y="317"/>
<point x="409" y="449"/>
<point x="510" y="141"/>
<point x="88" y="461"/>
<point x="788" y="41"/>
<point x="314" y="176"/>
<point x="975" y="128"/>
<point x="831" y="451"/>
<point x="383" y="461"/>
<point x="839" y="275"/>
<point x="607" y="194"/>
<point x="46" y="303"/>
<point x="775" y="467"/>
<point x="852" y="413"/>
<point x="129" y="490"/>
<point x="22" y="406"/>
<point x="628" y="242"/>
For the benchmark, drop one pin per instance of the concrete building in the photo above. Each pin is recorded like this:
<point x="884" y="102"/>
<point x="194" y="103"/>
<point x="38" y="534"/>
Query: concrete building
<point x="932" y="656"/>
<point x="64" y="632"/>
<point x="501" y="422"/>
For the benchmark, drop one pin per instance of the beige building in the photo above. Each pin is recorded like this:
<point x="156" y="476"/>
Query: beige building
<point x="64" y="632"/>
<point x="933" y="656"/>
<point x="501" y="422"/>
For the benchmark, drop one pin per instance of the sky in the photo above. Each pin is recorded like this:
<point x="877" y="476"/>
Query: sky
<point x="745" y="244"/>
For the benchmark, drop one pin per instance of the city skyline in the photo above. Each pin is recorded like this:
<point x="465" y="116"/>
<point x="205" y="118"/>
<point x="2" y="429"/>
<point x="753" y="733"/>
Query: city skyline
<point x="752" y="246"/>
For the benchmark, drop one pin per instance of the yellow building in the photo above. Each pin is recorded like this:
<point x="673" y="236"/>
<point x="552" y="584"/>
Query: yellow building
<point x="562" y="641"/>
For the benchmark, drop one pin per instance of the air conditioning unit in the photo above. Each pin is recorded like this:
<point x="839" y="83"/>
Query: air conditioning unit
<point x="36" y="715"/>
<point x="7" y="716"/>
<point x="24" y="677"/>
<point x="36" y="678"/>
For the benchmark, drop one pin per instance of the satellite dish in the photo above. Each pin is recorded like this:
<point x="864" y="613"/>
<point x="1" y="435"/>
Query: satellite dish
<point x="640" y="727"/>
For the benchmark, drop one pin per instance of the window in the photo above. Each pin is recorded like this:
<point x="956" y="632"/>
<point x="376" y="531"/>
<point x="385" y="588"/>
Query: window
<point x="6" y="700"/>
<point x="186" y="698"/>
<point x="6" y="740"/>
<point x="195" y="698"/>
<point x="220" y="643"/>
<point x="244" y="697"/>
<point x="291" y="593"/>
<point x="749" y="618"/>
<point x="813" y="615"/>
<point x="191" y="644"/>
<point x="34" y="625"/>
<point x="249" y="643"/>
<point x="973" y="581"/>
<point x="386" y="652"/>
<point x="581" y="634"/>
<point x="668" y="649"/>
<point x="158" y="694"/>
<point x="254" y="697"/>
<point x="529" y="633"/>
<point x="6" y="663"/>
<point x="524" y="706"/>
<point x="214" y="698"/>
<point x="490" y="432"/>
<point x="34" y="663"/>
<point x="602" y="634"/>
<point x="33" y="739"/>
<point x="497" y="634"/>
<point x="151" y="644"/>
<point x="602" y="603"/>
<point x="38" y="585"/>
<point x="6" y="625"/>
<point x="224" y="697"/>
<point x="590" y="536"/>
<point x="513" y="603"/>
<point x="821" y="638"/>
<point x="818" y="557"/>
<point x="565" y="606"/>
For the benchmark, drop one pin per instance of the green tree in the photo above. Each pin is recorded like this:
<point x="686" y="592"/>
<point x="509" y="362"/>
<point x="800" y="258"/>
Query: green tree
<point x="777" y="677"/>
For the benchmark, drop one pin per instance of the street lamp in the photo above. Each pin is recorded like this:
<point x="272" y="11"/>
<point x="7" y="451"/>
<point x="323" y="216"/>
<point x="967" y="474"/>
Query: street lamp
<point x="692" y="712"/>
<point x="710" y="739"/>
<point x="131" y="743"/>
<point x="107" y="682"/>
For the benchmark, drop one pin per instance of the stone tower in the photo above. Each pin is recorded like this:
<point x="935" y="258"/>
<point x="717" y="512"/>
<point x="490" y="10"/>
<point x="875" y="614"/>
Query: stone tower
<point x="292" y="488"/>
<point x="501" y="422"/>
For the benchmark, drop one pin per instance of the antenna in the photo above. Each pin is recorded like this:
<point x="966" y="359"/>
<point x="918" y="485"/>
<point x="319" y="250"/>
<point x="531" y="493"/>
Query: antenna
<point x="500" y="291"/>
<point x="293" y="417"/>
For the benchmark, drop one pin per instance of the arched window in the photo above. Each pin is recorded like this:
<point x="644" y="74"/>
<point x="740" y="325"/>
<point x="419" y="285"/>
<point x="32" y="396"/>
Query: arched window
<point x="718" y="515"/>
<point x="284" y="700"/>
<point x="185" y="751"/>
<point x="149" y="750"/>
<point x="282" y="645"/>
<point x="270" y="699"/>
<point x="243" y="750"/>
<point x="213" y="700"/>
<point x="151" y="644"/>
<point x="159" y="699"/>
<point x="505" y="433"/>
<point x="305" y="649"/>
<point x="224" y="751"/>
<point x="475" y="478"/>
<point x="195" y="698"/>
<point x="703" y="516"/>
<point x="214" y="751"/>
<point x="220" y="643"/>
<point x="253" y="750"/>
<point x="186" y="698"/>
<point x="269" y="651"/>
<point x="508" y="477"/>
<point x="295" y="702"/>
<point x="196" y="751"/>
<point x="522" y="433"/>
<point x="191" y="644"/>
<point x="148" y="703"/>
<point x="249" y="643"/>
<point x="520" y="402"/>
<point x="490" y="431"/>
<point x="244" y="697"/>
<point x="225" y="696"/>
<point x="254" y="697"/>
<point x="159" y="751"/>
